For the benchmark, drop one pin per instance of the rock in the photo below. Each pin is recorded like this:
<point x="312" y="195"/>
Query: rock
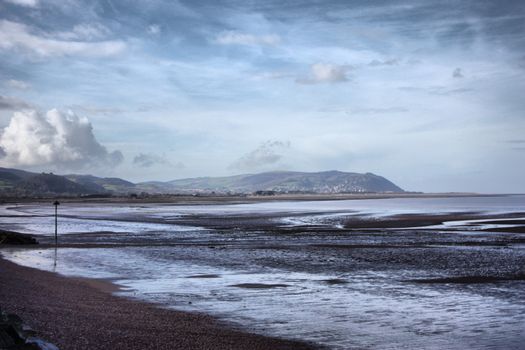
<point x="8" y="237"/>
<point x="14" y="337"/>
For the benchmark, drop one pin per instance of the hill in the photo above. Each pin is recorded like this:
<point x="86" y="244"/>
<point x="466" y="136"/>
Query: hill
<point x="20" y="183"/>
<point x="48" y="184"/>
<point x="8" y="177"/>
<point x="103" y="184"/>
<point x="280" y="181"/>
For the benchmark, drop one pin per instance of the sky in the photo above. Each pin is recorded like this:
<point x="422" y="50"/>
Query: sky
<point x="429" y="94"/>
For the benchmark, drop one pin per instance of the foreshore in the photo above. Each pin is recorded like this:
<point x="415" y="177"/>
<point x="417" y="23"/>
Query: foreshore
<point x="84" y="314"/>
<point x="415" y="274"/>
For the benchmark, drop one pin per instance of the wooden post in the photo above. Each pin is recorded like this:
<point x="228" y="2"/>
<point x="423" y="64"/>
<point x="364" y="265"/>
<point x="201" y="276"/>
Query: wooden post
<point x="56" y="204"/>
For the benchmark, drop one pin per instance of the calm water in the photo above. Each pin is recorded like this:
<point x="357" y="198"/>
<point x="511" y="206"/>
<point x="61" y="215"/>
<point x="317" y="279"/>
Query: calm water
<point x="303" y="285"/>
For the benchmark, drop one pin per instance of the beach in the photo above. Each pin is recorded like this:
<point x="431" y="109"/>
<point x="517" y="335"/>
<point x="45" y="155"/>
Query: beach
<point x="377" y="273"/>
<point x="74" y="313"/>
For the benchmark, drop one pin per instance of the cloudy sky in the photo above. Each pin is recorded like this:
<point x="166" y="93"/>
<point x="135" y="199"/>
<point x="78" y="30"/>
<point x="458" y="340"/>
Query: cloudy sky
<point x="430" y="94"/>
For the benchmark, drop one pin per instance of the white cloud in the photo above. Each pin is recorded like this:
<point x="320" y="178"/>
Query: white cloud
<point x="326" y="73"/>
<point x="15" y="35"/>
<point x="57" y="139"/>
<point x="18" y="84"/>
<point x="85" y="31"/>
<point x="237" y="38"/>
<point x="268" y="153"/>
<point x="26" y="3"/>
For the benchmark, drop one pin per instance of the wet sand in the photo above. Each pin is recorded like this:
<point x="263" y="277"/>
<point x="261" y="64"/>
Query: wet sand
<point x="83" y="314"/>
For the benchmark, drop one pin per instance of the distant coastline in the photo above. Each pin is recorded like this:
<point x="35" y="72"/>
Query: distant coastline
<point x="184" y="199"/>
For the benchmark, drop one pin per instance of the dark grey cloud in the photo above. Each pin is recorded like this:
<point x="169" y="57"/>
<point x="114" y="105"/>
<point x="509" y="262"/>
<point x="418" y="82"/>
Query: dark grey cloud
<point x="378" y="110"/>
<point x="517" y="144"/>
<point x="12" y="103"/>
<point x="502" y="23"/>
<point x="521" y="62"/>
<point x="457" y="73"/>
<point x="436" y="90"/>
<point x="193" y="24"/>
<point x="268" y="153"/>
<point x="517" y="141"/>
<point x="452" y="22"/>
<point x="94" y="110"/>
<point x="389" y="62"/>
<point x="146" y="160"/>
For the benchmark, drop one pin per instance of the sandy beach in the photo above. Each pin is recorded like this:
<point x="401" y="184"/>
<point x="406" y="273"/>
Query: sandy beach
<point x="83" y="314"/>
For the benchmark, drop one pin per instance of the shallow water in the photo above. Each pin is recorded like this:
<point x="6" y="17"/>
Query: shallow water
<point x="312" y="286"/>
